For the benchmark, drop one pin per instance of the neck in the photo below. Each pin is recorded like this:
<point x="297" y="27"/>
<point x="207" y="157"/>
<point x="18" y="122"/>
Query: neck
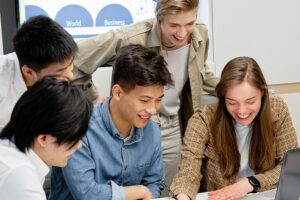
<point x="168" y="46"/>
<point x="118" y="118"/>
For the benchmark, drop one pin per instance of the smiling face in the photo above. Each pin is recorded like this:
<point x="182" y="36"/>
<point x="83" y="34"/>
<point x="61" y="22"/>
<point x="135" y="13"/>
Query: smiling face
<point x="135" y="107"/>
<point x="243" y="102"/>
<point x="176" y="29"/>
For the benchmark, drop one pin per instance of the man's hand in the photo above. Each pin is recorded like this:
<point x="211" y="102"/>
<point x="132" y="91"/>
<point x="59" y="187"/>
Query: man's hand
<point x="99" y="99"/>
<point x="137" y="192"/>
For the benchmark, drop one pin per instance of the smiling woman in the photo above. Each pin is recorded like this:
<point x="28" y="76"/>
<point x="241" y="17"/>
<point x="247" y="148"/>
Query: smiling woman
<point x="236" y="146"/>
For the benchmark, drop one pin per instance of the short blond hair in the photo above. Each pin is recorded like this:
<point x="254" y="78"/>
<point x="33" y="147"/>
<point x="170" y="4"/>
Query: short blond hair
<point x="166" y="7"/>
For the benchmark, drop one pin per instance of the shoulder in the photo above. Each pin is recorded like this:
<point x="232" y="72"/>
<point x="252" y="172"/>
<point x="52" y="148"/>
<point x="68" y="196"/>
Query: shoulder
<point x="201" y="27"/>
<point x="138" y="29"/>
<point x="206" y="113"/>
<point x="12" y="157"/>
<point x="277" y="102"/>
<point x="14" y="164"/>
<point x="9" y="62"/>
<point x="22" y="183"/>
<point x="278" y="106"/>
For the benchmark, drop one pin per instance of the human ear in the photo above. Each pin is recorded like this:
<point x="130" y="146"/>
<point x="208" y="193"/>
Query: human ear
<point x="117" y="91"/>
<point x="29" y="75"/>
<point x="42" y="140"/>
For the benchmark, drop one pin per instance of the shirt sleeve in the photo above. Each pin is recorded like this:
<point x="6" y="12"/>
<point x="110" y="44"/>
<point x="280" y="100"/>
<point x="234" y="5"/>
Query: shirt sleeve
<point x="187" y="179"/>
<point x="285" y="139"/>
<point x="93" y="53"/>
<point x="79" y="175"/>
<point x="210" y="81"/>
<point x="22" y="183"/>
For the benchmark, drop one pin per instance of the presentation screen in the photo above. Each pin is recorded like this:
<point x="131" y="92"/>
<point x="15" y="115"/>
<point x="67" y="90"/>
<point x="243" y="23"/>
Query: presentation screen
<point x="88" y="18"/>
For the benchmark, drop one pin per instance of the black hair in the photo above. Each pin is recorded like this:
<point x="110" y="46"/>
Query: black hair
<point x="138" y="65"/>
<point x="51" y="106"/>
<point x="41" y="41"/>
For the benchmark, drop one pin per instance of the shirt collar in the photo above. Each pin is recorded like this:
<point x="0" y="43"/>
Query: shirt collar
<point x="41" y="167"/>
<point x="154" y="37"/>
<point x="196" y="37"/>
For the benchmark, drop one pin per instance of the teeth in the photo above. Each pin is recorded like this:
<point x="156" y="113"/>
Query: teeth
<point x="144" y="117"/>
<point x="243" y="116"/>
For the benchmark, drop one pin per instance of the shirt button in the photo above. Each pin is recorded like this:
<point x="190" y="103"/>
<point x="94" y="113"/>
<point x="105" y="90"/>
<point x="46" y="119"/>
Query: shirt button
<point x="125" y="167"/>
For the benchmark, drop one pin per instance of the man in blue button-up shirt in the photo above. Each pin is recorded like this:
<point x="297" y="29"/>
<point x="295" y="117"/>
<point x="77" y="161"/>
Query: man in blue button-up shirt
<point x="121" y="154"/>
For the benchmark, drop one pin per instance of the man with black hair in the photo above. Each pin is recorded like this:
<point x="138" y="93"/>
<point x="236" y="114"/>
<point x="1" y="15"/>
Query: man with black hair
<point x="42" y="47"/>
<point x="121" y="155"/>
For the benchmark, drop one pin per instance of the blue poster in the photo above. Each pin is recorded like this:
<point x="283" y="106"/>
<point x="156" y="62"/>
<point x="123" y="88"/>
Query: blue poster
<point x="90" y="17"/>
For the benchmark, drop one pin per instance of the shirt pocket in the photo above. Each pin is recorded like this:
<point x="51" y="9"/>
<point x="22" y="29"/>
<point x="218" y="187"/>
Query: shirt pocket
<point x="141" y="170"/>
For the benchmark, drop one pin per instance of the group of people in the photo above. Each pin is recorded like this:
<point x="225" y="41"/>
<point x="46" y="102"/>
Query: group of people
<point x="151" y="135"/>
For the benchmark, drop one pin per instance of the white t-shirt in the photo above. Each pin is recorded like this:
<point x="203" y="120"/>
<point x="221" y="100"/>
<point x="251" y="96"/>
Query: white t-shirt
<point x="243" y="136"/>
<point x="21" y="175"/>
<point x="177" y="61"/>
<point x="12" y="86"/>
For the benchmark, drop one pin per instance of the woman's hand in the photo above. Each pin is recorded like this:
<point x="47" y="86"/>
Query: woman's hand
<point x="234" y="191"/>
<point x="181" y="196"/>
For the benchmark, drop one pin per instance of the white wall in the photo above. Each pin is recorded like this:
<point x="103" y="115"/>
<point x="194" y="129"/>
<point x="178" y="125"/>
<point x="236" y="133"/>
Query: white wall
<point x="267" y="30"/>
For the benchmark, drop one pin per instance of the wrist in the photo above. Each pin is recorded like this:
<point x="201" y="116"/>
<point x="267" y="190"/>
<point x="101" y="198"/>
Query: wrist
<point x="183" y="196"/>
<point x="254" y="183"/>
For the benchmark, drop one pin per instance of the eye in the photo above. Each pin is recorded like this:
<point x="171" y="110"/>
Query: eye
<point x="231" y="103"/>
<point x="250" y="102"/>
<point x="173" y="25"/>
<point x="144" y="101"/>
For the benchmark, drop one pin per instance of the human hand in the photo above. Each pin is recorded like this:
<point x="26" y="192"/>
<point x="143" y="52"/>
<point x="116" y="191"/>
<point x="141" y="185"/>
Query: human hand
<point x="99" y="99"/>
<point x="182" y="196"/>
<point x="234" y="191"/>
<point x="137" y="192"/>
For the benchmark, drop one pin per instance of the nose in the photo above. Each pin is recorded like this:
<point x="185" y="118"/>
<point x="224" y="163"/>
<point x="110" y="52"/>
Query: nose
<point x="242" y="109"/>
<point x="69" y="74"/>
<point x="152" y="109"/>
<point x="181" y="32"/>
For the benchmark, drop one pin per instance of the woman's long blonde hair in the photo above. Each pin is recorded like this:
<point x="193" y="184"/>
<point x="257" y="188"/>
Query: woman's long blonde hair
<point x="261" y="150"/>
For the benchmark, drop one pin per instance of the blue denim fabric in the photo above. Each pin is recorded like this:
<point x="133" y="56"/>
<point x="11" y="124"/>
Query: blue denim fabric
<point x="106" y="162"/>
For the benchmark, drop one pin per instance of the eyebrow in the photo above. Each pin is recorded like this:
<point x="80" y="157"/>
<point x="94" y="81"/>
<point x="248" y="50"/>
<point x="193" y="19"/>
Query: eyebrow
<point x="65" y="67"/>
<point x="191" y="22"/>
<point x="152" y="97"/>
<point x="246" y="99"/>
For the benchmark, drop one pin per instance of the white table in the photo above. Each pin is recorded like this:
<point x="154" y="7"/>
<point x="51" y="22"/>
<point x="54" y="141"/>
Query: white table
<point x="267" y="195"/>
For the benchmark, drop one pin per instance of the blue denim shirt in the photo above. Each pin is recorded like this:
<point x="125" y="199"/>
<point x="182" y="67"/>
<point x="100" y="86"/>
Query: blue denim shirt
<point x="106" y="162"/>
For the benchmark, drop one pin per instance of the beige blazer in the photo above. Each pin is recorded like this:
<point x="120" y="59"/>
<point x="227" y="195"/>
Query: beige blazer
<point x="199" y="166"/>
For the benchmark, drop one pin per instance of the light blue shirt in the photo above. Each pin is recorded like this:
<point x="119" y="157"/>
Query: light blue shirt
<point x="106" y="162"/>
